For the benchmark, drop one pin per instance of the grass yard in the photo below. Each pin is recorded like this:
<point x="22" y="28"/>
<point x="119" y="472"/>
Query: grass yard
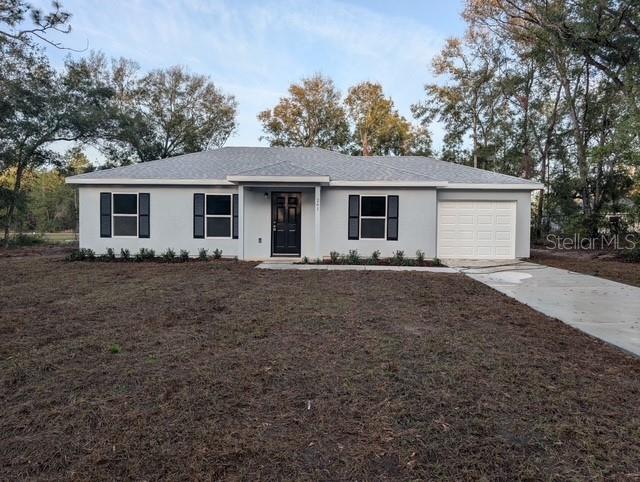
<point x="215" y="370"/>
<point x="604" y="265"/>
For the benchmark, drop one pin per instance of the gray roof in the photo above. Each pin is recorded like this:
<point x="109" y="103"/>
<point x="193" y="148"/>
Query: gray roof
<point x="299" y="162"/>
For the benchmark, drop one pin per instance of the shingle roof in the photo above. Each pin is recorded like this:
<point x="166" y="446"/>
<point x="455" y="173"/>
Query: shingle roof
<point x="299" y="162"/>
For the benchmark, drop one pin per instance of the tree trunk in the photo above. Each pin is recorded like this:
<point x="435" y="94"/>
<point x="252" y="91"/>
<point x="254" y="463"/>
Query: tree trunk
<point x="12" y="204"/>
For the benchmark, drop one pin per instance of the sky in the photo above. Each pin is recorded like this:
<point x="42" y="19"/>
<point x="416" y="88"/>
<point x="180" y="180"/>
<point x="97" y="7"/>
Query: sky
<point x="256" y="49"/>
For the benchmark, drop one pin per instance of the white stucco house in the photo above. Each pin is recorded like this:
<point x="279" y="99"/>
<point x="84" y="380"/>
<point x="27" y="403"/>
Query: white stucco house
<point x="264" y="202"/>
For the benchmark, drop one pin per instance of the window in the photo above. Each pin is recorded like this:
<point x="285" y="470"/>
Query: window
<point x="218" y="215"/>
<point x="373" y="217"/>
<point x="125" y="215"/>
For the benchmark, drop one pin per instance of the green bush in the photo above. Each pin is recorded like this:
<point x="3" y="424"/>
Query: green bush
<point x="217" y="253"/>
<point x="145" y="254"/>
<point x="420" y="256"/>
<point x="375" y="255"/>
<point x="184" y="255"/>
<point x="83" y="254"/>
<point x="23" y="239"/>
<point x="353" y="257"/>
<point x="111" y="254"/>
<point x="398" y="257"/>
<point x="335" y="257"/>
<point x="169" y="255"/>
<point x="125" y="254"/>
<point x="305" y="260"/>
<point x="437" y="262"/>
<point x="203" y="255"/>
<point x="631" y="255"/>
<point x="115" y="348"/>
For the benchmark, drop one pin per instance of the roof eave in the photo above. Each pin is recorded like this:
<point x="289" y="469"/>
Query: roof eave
<point x="497" y="186"/>
<point x="279" y="179"/>
<point x="388" y="183"/>
<point x="134" y="181"/>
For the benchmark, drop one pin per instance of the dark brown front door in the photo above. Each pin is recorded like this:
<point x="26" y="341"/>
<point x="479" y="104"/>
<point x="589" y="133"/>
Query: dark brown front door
<point x="285" y="223"/>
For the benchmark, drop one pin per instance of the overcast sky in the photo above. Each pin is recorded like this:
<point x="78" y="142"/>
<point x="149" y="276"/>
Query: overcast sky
<point x="256" y="49"/>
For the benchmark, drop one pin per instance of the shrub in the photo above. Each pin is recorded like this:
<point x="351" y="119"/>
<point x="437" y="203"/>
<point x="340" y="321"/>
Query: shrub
<point x="631" y="255"/>
<point x="145" y="254"/>
<point x="353" y="257"/>
<point x="420" y="256"/>
<point x="75" y="255"/>
<point x="437" y="262"/>
<point x="217" y="253"/>
<point x="184" y="255"/>
<point x="398" y="257"/>
<point x="169" y="255"/>
<point x="203" y="255"/>
<point x="375" y="255"/>
<point x="22" y="239"/>
<point x="115" y="348"/>
<point x="335" y="257"/>
<point x="305" y="260"/>
<point x="125" y="254"/>
<point x="408" y="262"/>
<point x="111" y="254"/>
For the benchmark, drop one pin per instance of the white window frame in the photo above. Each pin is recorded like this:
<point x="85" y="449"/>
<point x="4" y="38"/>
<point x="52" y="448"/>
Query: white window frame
<point x="113" y="215"/>
<point x="207" y="216"/>
<point x="386" y="207"/>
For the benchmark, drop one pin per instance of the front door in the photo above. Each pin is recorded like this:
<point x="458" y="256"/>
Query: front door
<point x="285" y="223"/>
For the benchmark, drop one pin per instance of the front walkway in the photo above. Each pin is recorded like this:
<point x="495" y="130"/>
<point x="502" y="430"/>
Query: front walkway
<point x="602" y="308"/>
<point x="351" y="267"/>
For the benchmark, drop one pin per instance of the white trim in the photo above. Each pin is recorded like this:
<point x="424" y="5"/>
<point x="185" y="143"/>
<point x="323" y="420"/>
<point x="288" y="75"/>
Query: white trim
<point x="316" y="222"/>
<point x="384" y="235"/>
<point x="128" y="181"/>
<point x="388" y="183"/>
<point x="230" y="215"/>
<point x="114" y="215"/>
<point x="522" y="187"/>
<point x="313" y="179"/>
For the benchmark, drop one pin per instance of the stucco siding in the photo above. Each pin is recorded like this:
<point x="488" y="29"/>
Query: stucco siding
<point x="523" y="210"/>
<point x="416" y="222"/>
<point x="171" y="220"/>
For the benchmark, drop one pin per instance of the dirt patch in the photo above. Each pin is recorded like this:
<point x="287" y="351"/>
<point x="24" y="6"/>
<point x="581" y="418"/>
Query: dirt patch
<point x="223" y="371"/>
<point x="597" y="263"/>
<point x="37" y="250"/>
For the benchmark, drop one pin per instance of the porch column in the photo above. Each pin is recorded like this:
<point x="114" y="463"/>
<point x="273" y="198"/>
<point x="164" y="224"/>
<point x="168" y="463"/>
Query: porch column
<point x="240" y="221"/>
<point x="316" y="219"/>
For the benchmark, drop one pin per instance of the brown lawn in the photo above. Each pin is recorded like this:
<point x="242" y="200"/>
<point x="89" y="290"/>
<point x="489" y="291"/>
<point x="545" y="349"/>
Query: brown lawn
<point x="602" y="264"/>
<point x="215" y="370"/>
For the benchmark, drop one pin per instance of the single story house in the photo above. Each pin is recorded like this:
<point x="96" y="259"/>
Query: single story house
<point x="265" y="202"/>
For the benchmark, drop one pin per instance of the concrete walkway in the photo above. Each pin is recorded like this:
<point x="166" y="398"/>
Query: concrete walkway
<point x="350" y="267"/>
<point x="602" y="308"/>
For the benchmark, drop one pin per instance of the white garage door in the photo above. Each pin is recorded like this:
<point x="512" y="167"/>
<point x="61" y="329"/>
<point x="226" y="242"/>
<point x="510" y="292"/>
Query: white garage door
<point x="477" y="229"/>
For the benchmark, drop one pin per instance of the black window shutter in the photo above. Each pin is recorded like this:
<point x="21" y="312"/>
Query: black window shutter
<point x="144" y="215"/>
<point x="354" y="216"/>
<point x="198" y="215"/>
<point x="235" y="216"/>
<point x="105" y="214"/>
<point x="392" y="218"/>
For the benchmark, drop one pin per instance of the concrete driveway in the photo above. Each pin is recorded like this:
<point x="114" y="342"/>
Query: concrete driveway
<point x="602" y="308"/>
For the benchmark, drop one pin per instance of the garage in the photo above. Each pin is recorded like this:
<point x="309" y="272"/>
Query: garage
<point x="476" y="229"/>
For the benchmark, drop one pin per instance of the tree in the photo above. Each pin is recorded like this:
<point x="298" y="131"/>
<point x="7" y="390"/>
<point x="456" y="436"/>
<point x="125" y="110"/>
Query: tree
<point x="311" y="116"/>
<point x="14" y="12"/>
<point x="421" y="143"/>
<point x="38" y="107"/>
<point x="378" y="127"/>
<point x="161" y="114"/>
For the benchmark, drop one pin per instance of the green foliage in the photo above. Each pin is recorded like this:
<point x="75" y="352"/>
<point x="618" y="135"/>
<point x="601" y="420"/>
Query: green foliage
<point x="420" y="256"/>
<point x="125" y="254"/>
<point x="305" y="260"/>
<point x="83" y="254"/>
<point x="217" y="253"/>
<point x="110" y="254"/>
<point x="202" y="254"/>
<point x="334" y="256"/>
<point x="631" y="255"/>
<point x="184" y="255"/>
<point x="115" y="349"/>
<point x="145" y="254"/>
<point x="398" y="257"/>
<point x="353" y="257"/>
<point x="169" y="255"/>
<point x="311" y="116"/>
